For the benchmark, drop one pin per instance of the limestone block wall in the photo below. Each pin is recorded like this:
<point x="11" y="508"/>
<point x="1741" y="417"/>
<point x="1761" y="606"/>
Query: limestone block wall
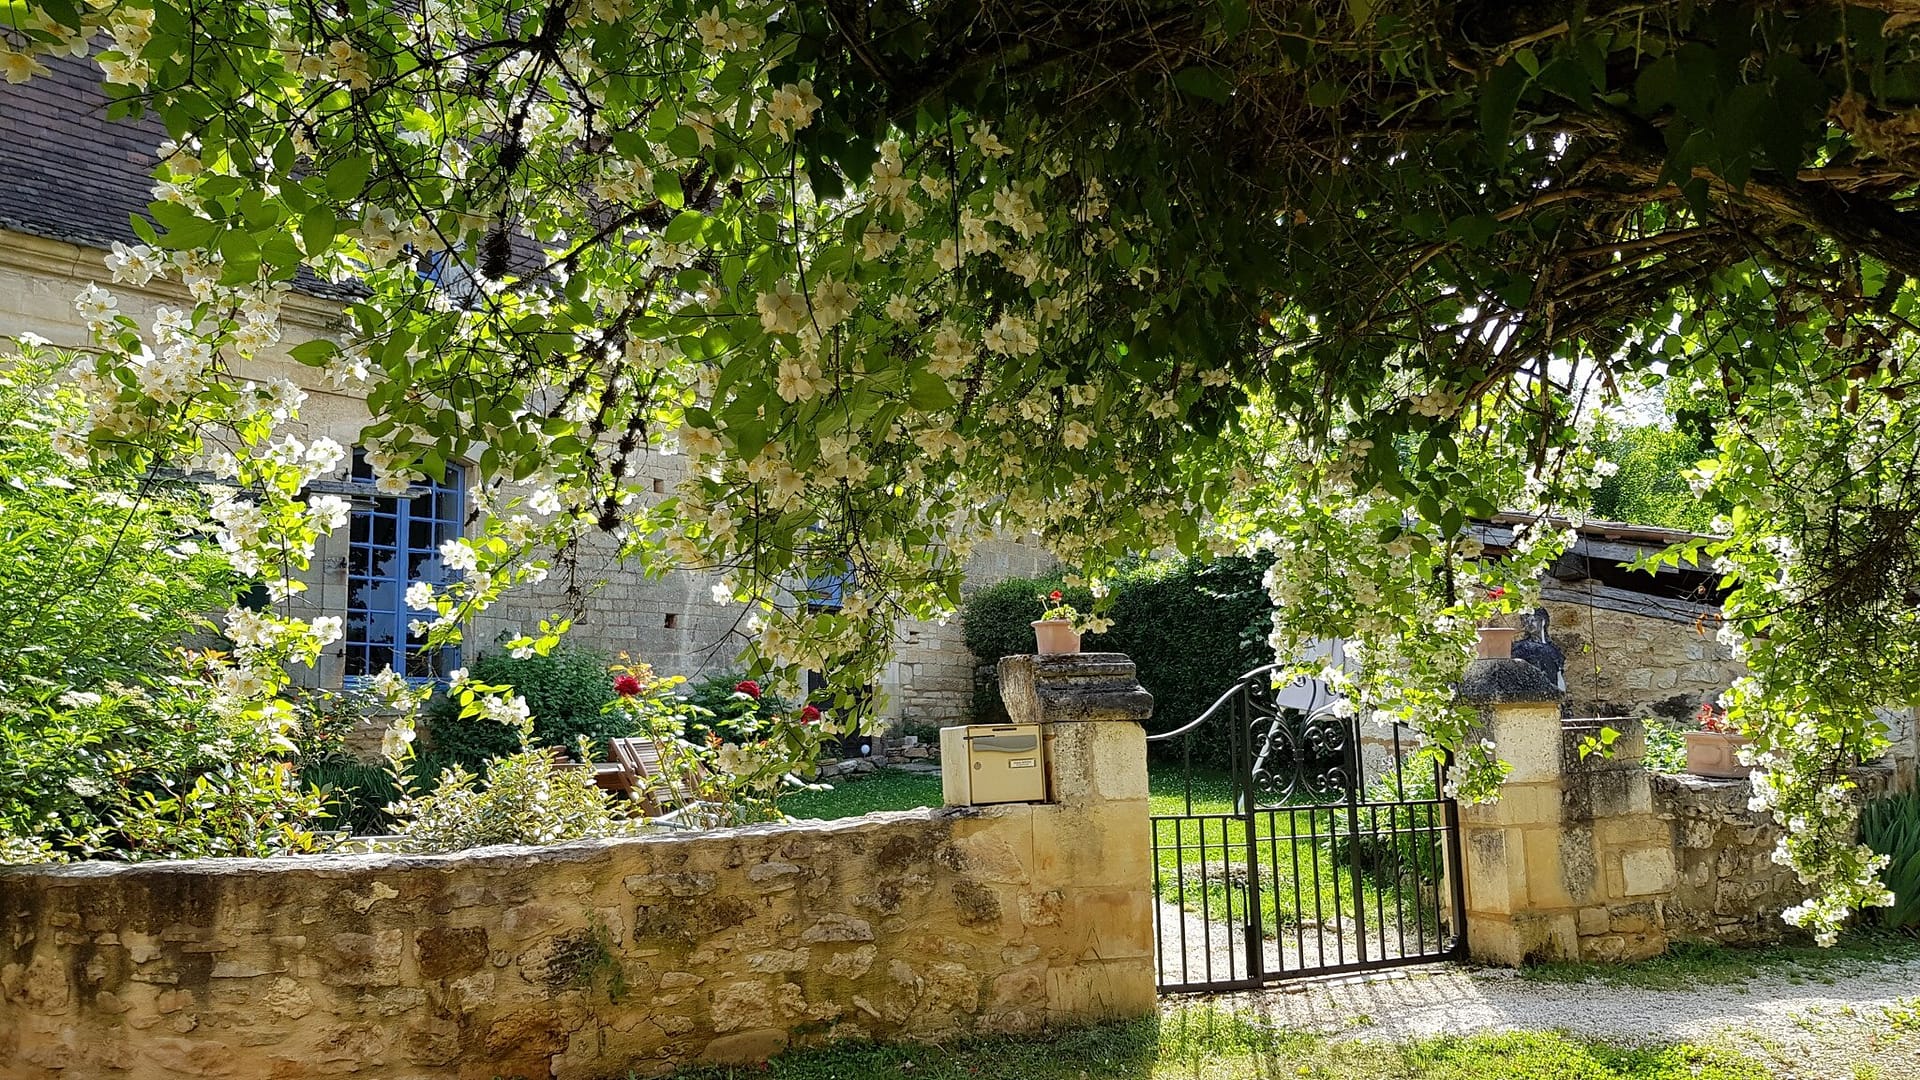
<point x="933" y="671"/>
<point x="1727" y="888"/>
<point x="1594" y="857"/>
<point x="1628" y="664"/>
<point x="1726" y="885"/>
<point x="584" y="960"/>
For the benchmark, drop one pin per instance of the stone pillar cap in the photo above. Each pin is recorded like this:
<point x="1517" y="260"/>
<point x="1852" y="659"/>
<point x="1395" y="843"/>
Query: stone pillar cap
<point x="1072" y="687"/>
<point x="1509" y="681"/>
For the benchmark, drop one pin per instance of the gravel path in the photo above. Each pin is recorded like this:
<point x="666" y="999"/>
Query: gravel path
<point x="1826" y="1023"/>
<point x="1212" y="950"/>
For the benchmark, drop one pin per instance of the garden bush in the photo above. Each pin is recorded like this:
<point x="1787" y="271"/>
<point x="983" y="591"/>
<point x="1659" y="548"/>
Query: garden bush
<point x="567" y="692"/>
<point x="105" y="573"/>
<point x="1891" y="827"/>
<point x="1192" y="627"/>
<point x="730" y="713"/>
<point x="357" y="793"/>
<point x="524" y="800"/>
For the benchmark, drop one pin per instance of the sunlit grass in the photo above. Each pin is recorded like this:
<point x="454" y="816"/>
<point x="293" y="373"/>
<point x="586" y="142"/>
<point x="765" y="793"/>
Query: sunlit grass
<point x="1205" y="1043"/>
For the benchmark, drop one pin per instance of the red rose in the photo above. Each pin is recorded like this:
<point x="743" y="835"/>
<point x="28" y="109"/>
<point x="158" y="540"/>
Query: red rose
<point x="809" y="714"/>
<point x="747" y="687"/>
<point x="626" y="686"/>
<point x="1054" y="596"/>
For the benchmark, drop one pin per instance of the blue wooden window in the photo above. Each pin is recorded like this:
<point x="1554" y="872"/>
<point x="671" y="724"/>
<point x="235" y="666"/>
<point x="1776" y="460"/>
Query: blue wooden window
<point x="392" y="543"/>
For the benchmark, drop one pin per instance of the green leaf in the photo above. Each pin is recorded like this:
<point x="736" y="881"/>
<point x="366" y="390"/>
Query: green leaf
<point x="1234" y="16"/>
<point x="317" y="230"/>
<point x="684" y="226"/>
<point x="666" y="188"/>
<point x="930" y="392"/>
<point x="1498" y="99"/>
<point x="315" y="352"/>
<point x="348" y="176"/>
<point x="1203" y="81"/>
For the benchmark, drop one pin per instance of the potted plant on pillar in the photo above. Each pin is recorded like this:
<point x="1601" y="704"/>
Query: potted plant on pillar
<point x="1059" y="626"/>
<point x="1714" y="750"/>
<point x="1496" y="638"/>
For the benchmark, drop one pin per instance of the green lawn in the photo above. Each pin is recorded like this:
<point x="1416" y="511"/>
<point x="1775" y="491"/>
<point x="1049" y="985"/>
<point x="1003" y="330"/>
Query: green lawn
<point x="1306" y="864"/>
<point x="1209" y="1043"/>
<point x="883" y="789"/>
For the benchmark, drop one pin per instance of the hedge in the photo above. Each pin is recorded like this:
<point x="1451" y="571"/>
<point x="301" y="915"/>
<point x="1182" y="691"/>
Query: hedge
<point x="1192" y="627"/>
<point x="566" y="691"/>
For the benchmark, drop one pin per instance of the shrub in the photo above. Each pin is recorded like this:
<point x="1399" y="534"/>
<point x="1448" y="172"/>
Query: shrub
<point x="137" y="772"/>
<point x="725" y="769"/>
<point x="1891" y="827"/>
<point x="104" y="573"/>
<point x="357" y="793"/>
<point x="525" y="800"/>
<point x="567" y="692"/>
<point x="1192" y="626"/>
<point x="726" y="711"/>
<point x="1666" y="747"/>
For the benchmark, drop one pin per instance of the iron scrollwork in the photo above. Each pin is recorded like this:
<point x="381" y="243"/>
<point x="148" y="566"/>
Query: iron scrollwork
<point x="1297" y="758"/>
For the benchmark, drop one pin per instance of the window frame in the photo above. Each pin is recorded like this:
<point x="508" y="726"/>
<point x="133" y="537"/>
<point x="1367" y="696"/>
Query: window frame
<point x="445" y="518"/>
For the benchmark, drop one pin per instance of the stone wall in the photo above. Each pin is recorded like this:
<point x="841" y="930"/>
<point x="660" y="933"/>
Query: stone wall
<point x="1594" y="857"/>
<point x="1727" y="888"/>
<point x="599" y="958"/>
<point x="1726" y="885"/>
<point x="933" y="671"/>
<point x="585" y="959"/>
<point x="1638" y="664"/>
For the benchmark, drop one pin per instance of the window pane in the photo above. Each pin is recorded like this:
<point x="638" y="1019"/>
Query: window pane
<point x="395" y="542"/>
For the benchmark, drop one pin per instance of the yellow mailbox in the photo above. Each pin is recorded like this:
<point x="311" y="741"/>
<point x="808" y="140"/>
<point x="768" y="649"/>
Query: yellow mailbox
<point x="992" y="763"/>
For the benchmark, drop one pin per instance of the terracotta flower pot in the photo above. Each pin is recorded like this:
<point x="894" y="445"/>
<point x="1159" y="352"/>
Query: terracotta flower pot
<point x="1055" y="636"/>
<point x="1716" y="754"/>
<point x="1496" y="642"/>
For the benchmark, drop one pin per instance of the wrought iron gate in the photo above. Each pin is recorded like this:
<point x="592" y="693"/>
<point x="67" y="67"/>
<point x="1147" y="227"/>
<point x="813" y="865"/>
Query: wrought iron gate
<point x="1321" y="847"/>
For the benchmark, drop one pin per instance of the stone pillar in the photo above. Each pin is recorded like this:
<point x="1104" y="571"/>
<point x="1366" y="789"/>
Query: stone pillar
<point x="1092" y="843"/>
<point x="1570" y="863"/>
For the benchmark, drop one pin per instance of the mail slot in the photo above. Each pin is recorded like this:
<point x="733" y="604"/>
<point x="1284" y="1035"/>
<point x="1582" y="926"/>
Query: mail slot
<point x="992" y="763"/>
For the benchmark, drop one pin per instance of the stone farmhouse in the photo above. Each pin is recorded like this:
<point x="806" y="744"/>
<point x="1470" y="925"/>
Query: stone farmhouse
<point x="69" y="181"/>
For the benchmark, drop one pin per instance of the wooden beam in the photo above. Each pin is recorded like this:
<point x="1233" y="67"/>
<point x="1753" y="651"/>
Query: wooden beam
<point x="1626" y="601"/>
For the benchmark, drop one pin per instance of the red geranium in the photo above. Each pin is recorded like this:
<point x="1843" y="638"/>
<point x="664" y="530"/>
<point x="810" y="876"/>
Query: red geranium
<point x="747" y="687"/>
<point x="1714" y="718"/>
<point x="809" y="714"/>
<point x="1054" y="596"/>
<point x="626" y="686"/>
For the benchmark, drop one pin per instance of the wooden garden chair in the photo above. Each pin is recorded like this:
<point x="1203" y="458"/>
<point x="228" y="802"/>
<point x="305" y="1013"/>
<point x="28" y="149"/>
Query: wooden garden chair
<point x="639" y="759"/>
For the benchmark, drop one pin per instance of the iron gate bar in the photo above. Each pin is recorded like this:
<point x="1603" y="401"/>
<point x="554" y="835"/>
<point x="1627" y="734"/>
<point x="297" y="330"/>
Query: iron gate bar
<point x="1255" y="935"/>
<point x="1282" y="761"/>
